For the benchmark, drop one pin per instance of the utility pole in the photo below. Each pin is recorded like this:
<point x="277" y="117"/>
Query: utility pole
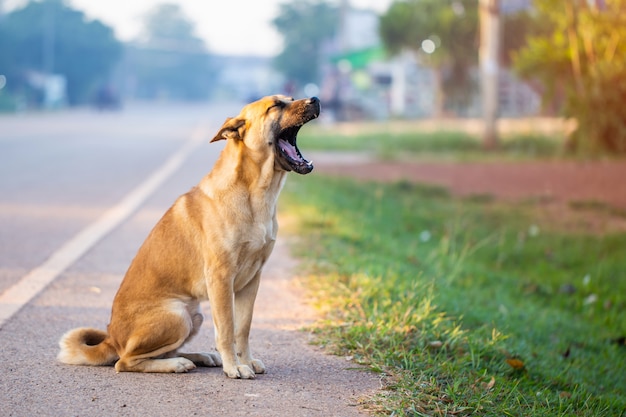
<point x="489" y="66"/>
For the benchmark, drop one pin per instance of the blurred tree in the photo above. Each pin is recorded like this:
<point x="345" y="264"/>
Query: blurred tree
<point x="167" y="23"/>
<point x="49" y="37"/>
<point x="168" y="59"/>
<point x="517" y="27"/>
<point x="583" y="53"/>
<point x="444" y="35"/>
<point x="305" y="26"/>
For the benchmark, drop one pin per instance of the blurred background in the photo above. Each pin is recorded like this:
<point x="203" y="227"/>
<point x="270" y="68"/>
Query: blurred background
<point x="366" y="59"/>
<point x="483" y="267"/>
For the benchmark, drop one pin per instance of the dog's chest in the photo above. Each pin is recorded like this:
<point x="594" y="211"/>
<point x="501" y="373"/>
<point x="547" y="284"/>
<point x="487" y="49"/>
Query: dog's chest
<point x="260" y="235"/>
<point x="253" y="252"/>
<point x="261" y="230"/>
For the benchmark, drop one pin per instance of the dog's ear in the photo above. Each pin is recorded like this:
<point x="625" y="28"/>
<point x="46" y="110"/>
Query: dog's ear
<point x="233" y="128"/>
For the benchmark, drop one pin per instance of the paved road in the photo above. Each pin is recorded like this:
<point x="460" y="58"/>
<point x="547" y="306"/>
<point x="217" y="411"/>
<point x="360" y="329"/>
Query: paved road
<point x="62" y="172"/>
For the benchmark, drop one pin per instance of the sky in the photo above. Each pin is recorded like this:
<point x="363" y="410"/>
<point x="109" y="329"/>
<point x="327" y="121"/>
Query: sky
<point x="237" y="27"/>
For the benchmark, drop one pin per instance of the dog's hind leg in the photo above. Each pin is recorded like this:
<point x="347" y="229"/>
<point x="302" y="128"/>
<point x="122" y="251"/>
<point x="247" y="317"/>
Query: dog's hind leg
<point x="169" y="365"/>
<point x="210" y="359"/>
<point x="153" y="346"/>
<point x="158" y="360"/>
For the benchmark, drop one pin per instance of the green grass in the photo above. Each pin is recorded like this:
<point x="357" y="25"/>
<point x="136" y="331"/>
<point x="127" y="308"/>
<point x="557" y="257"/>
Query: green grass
<point x="599" y="207"/>
<point x="466" y="306"/>
<point x="448" y="144"/>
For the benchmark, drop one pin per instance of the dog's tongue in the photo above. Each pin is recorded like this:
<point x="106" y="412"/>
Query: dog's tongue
<point x="290" y="150"/>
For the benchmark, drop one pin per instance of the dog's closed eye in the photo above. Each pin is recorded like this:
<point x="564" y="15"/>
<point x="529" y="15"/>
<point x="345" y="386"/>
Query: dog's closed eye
<point x="277" y="104"/>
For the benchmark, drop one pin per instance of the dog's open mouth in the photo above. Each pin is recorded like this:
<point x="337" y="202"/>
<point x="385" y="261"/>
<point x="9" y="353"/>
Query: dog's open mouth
<point x="289" y="155"/>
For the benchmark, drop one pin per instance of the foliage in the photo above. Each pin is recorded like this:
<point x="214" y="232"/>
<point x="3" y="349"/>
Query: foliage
<point x="464" y="307"/>
<point x="166" y="22"/>
<point x="517" y="28"/>
<point x="452" y="25"/>
<point x="583" y="54"/>
<point x="50" y="37"/>
<point x="168" y="59"/>
<point x="305" y="26"/>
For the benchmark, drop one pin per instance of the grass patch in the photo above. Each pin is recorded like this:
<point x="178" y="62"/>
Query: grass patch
<point x="598" y="207"/>
<point x="467" y="306"/>
<point x="447" y="144"/>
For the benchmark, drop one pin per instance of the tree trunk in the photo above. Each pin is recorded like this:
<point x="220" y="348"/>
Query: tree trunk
<point x="489" y="65"/>
<point x="440" y="95"/>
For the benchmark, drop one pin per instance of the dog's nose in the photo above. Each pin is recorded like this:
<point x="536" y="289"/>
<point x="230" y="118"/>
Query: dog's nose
<point x="313" y="100"/>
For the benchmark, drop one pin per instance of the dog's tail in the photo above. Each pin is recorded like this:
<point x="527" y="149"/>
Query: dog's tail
<point x="86" y="346"/>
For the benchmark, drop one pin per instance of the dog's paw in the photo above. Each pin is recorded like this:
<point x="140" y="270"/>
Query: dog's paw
<point x="245" y="372"/>
<point x="180" y="365"/>
<point x="257" y="366"/>
<point x="239" y="372"/>
<point x="210" y="359"/>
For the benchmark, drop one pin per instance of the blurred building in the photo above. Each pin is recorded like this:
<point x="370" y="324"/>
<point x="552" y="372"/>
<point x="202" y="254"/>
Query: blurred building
<point x="163" y="74"/>
<point x="356" y="77"/>
<point x="513" y="6"/>
<point x="245" y="78"/>
<point x="361" y="81"/>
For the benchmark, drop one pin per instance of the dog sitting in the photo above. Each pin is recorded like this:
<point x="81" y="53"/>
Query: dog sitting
<point x="210" y="245"/>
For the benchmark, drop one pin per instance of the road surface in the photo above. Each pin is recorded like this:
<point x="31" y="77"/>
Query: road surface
<point x="79" y="191"/>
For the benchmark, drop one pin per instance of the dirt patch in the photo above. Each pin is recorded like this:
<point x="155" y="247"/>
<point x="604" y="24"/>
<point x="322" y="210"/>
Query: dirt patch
<point x="592" y="195"/>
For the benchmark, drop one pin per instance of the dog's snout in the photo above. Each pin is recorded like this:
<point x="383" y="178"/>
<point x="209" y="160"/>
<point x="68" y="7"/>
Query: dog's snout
<point x="314" y="104"/>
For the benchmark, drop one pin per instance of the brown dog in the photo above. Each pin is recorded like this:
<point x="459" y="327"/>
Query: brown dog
<point x="211" y="244"/>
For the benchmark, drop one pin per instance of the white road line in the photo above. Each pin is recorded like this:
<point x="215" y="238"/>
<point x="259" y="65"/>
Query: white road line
<point x="20" y="293"/>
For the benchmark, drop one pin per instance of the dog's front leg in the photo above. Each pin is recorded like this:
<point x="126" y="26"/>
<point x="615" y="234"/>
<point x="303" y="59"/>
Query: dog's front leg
<point x="244" y="305"/>
<point x="221" y="298"/>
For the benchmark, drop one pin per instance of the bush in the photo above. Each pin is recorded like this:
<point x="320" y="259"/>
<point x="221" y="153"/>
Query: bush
<point x="577" y="50"/>
<point x="601" y="116"/>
